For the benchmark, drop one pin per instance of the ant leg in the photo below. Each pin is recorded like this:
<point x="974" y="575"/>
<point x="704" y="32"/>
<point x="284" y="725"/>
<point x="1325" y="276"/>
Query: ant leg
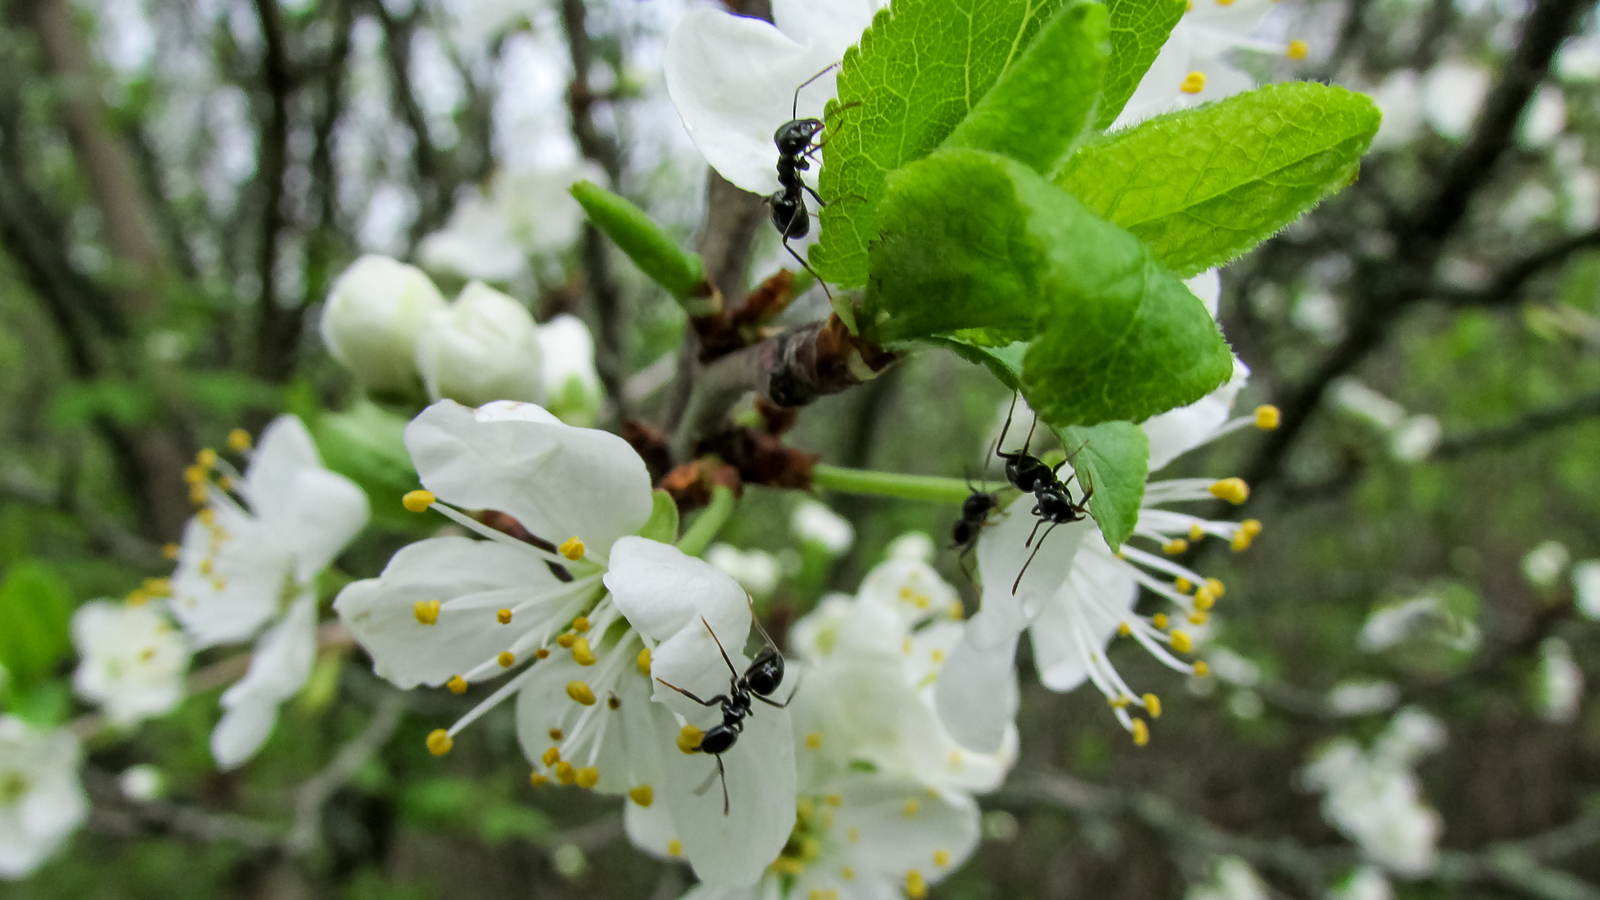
<point x="722" y="773"/>
<point x="718" y="700"/>
<point x="794" y="112"/>
<point x="814" y="195"/>
<point x="801" y="260"/>
<point x="1035" y="552"/>
<point x="784" y="704"/>
<point x="1006" y="427"/>
<point x="731" y="670"/>
<point x="1029" y="541"/>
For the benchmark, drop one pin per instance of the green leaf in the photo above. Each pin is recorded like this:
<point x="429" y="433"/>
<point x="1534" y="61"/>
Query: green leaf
<point x="1206" y="185"/>
<point x="1004" y="363"/>
<point x="367" y="445"/>
<point x="663" y="523"/>
<point x="35" y="608"/>
<point x="1113" y="457"/>
<point x="80" y="403"/>
<point x="917" y="72"/>
<point x="1040" y="107"/>
<point x="1139" y="28"/>
<point x="681" y="273"/>
<point x="973" y="240"/>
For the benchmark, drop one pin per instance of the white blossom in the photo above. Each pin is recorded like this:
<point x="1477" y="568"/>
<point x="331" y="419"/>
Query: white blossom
<point x="1398" y="97"/>
<point x="247" y="569"/>
<point x="1544" y="564"/>
<point x="1364" y="883"/>
<point x="1231" y="878"/>
<point x="481" y="348"/>
<point x="142" y="783"/>
<point x="41" y="801"/>
<point x="571" y="383"/>
<point x="1360" y="698"/>
<point x="1586" y="587"/>
<point x="817" y="524"/>
<point x="757" y="571"/>
<point x="589" y="622"/>
<point x="492" y="235"/>
<point x="132" y="659"/>
<point x="1559" y="689"/>
<point x="1423" y="616"/>
<point x="1452" y="93"/>
<point x="371" y="319"/>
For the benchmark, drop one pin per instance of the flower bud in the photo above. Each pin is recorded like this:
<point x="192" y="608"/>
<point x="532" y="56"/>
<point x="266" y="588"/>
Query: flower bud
<point x="571" y="383"/>
<point x="371" y="318"/>
<point x="481" y="348"/>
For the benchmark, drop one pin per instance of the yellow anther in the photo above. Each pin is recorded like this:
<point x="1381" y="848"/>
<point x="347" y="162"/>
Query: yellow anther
<point x="955" y="760"/>
<point x="417" y="501"/>
<point x="169" y="551"/>
<point x="161" y="587"/>
<point x="834" y="800"/>
<point x="921" y="601"/>
<point x="552" y="756"/>
<point x="805" y="808"/>
<point x="847" y="873"/>
<point x="614" y="702"/>
<point x="572" y="548"/>
<point x="580" y="692"/>
<point x="1174" y="546"/>
<point x="937" y="655"/>
<point x="814" y="741"/>
<point x="1224" y="2"/>
<point x="1152" y="705"/>
<point x="581" y="654"/>
<point x="456" y="684"/>
<point x="941" y="857"/>
<point x="565" y="773"/>
<point x="916" y="888"/>
<point x="580" y="624"/>
<point x="1181" y="642"/>
<point x="198" y="494"/>
<point x="1199" y="617"/>
<point x="1117" y="702"/>
<point x="440" y="742"/>
<point x="206" y="458"/>
<point x="1183" y="585"/>
<point x="1297" y="50"/>
<point x="1196" y="532"/>
<point x="538" y="780"/>
<point x="643" y="661"/>
<point x="1204" y="599"/>
<point x="1201" y="670"/>
<point x="1193" y="83"/>
<point x="911" y="807"/>
<point x="905" y="645"/>
<point x="1248" y="529"/>
<point x="225" y="483"/>
<point x="1188" y="5"/>
<point x="556" y="734"/>
<point x="957" y="610"/>
<point x="566" y="641"/>
<point x="137" y="597"/>
<point x="642" y="795"/>
<point x="194" y="475"/>
<point x="853" y="835"/>
<point x="207" y="516"/>
<point x="147" y="654"/>
<point x="504" y="616"/>
<point x="906" y="592"/>
<point x="1216" y="586"/>
<point x="674" y="847"/>
<point x="542" y="653"/>
<point x="689" y="738"/>
<point x="506" y="659"/>
<point x="1159" y="620"/>
<point x="206" y="566"/>
<point x="1123" y="629"/>
<point x="1268" y="417"/>
<point x="238" y="440"/>
<point x="426" y="611"/>
<point x="588" y="777"/>
<point x="1233" y="490"/>
<point x="219" y="584"/>
<point x="1141" y="733"/>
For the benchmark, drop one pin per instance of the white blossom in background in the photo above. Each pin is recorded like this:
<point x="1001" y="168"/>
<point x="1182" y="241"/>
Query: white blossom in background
<point x="371" y="318"/>
<point x="580" y="621"/>
<point x="481" y="348"/>
<point x="1194" y="64"/>
<point x="1409" y="438"/>
<point x="493" y="235"/>
<point x="1373" y="797"/>
<point x="1559" y="685"/>
<point x="142" y="783"/>
<point x="817" y="524"/>
<point x="41" y="800"/>
<point x="571" y="382"/>
<point x="915" y="545"/>
<point x="132" y="659"/>
<point x="1586" y="588"/>
<point x="1452" y="93"/>
<point x="1078" y="596"/>
<point x="757" y="571"/>
<point x="248" y="566"/>
<point x="1544" y="120"/>
<point x="1544" y="564"/>
<point x="1362" y="698"/>
<point x="1391" y="624"/>
<point x="885" y="806"/>
<point x="1399" y="98"/>
<point x="1230" y="878"/>
<point x="1364" y="883"/>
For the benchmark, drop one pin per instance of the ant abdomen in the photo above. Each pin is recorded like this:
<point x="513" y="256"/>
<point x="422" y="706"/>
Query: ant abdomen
<point x="766" y="673"/>
<point x="718" y="740"/>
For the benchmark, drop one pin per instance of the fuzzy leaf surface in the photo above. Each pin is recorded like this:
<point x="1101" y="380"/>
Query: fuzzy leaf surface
<point x="1203" y="186"/>
<point x="1113" y="457"/>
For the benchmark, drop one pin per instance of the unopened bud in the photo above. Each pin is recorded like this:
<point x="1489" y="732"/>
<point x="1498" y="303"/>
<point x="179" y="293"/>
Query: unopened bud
<point x="371" y="319"/>
<point x="481" y="348"/>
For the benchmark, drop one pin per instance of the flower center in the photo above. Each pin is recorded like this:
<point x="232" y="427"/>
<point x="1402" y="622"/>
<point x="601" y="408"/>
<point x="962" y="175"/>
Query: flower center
<point x="13" y="787"/>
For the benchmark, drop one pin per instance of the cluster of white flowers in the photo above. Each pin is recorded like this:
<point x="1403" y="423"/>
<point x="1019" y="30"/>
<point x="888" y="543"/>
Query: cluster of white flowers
<point x="492" y="234"/>
<point x="1373" y="796"/>
<point x="132" y="658"/>
<point x="885" y="793"/>
<point x="388" y="323"/>
<point x="41" y="801"/>
<point x="1409" y="438"/>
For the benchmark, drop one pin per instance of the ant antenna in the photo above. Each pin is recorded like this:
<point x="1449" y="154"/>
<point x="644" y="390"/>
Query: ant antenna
<point x="756" y="621"/>
<point x="794" y="112"/>
<point x="731" y="669"/>
<point x="706" y="785"/>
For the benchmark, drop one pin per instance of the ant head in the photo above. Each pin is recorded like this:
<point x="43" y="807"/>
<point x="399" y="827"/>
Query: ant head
<point x="766" y="673"/>
<point x="977" y="505"/>
<point x="1055" y="505"/>
<point x="718" y="740"/>
<point x="795" y="136"/>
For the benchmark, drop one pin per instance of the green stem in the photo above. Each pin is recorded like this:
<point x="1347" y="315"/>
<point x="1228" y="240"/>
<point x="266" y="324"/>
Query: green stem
<point x="698" y="537"/>
<point x="932" y="488"/>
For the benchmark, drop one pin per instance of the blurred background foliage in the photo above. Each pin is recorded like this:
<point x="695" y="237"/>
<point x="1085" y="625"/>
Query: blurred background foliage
<point x="180" y="180"/>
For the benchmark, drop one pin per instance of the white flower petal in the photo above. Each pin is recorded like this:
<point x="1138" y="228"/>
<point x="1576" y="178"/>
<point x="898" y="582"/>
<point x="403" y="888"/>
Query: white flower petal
<point x="558" y="481"/>
<point x="328" y="511"/>
<point x="1100" y="582"/>
<point x="892" y="841"/>
<point x="281" y="664"/>
<point x="283" y="450"/>
<point x="1177" y="431"/>
<point x="976" y="694"/>
<point x="250" y="569"/>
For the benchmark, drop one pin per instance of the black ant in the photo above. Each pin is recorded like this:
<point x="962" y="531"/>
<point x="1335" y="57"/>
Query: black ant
<point x="1053" y="502"/>
<point x="975" y="512"/>
<point x="759" y="681"/>
<point x="796" y="141"/>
